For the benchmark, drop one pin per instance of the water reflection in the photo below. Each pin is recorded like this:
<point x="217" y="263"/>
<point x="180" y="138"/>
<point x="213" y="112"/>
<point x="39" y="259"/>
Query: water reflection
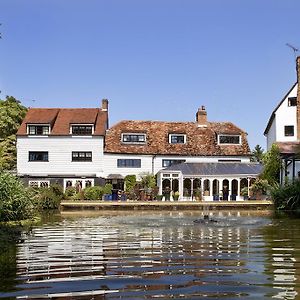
<point x="135" y="255"/>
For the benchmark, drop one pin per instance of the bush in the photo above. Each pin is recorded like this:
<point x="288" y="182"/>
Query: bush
<point x="70" y="192"/>
<point x="287" y="197"/>
<point x="47" y="199"/>
<point x="107" y="189"/>
<point x="130" y="181"/>
<point x="93" y="193"/>
<point x="15" y="201"/>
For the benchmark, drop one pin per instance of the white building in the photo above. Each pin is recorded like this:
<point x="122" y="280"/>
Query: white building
<point x="62" y="146"/>
<point x="283" y="129"/>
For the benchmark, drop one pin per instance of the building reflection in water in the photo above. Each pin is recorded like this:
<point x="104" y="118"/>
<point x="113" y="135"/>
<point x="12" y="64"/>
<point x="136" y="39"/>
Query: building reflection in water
<point x="154" y="253"/>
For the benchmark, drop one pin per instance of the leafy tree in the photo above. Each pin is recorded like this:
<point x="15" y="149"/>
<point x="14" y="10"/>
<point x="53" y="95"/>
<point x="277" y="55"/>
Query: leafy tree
<point x="257" y="154"/>
<point x="272" y="163"/>
<point x="11" y="115"/>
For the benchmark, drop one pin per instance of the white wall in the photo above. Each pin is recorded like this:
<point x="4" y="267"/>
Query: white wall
<point x="60" y="155"/>
<point x="285" y="116"/>
<point x="271" y="136"/>
<point x="153" y="163"/>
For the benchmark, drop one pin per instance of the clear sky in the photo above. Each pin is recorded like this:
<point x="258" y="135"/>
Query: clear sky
<point x="153" y="59"/>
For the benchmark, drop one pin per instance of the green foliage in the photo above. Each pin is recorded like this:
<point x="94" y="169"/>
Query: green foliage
<point x="244" y="191"/>
<point x="70" y="192"/>
<point x="107" y="189"/>
<point x="11" y="115"/>
<point x="130" y="181"/>
<point x="257" y="154"/>
<point x="287" y="197"/>
<point x="47" y="198"/>
<point x="15" y="201"/>
<point x="261" y="186"/>
<point x="272" y="164"/>
<point x="148" y="181"/>
<point x="93" y="193"/>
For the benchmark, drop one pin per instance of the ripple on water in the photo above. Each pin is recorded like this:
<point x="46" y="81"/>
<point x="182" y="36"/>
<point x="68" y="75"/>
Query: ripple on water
<point x="159" y="255"/>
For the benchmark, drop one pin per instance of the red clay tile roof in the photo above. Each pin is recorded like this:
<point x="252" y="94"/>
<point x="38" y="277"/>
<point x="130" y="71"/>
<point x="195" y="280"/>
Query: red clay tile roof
<point x="289" y="147"/>
<point x="60" y="119"/>
<point x="200" y="140"/>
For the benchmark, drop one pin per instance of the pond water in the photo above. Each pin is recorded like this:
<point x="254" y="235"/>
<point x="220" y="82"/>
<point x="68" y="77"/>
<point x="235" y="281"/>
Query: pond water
<point x="155" y="255"/>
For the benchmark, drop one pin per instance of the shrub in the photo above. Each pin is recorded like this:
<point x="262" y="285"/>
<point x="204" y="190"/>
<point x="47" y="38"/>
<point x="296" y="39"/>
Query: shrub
<point x="130" y="181"/>
<point x="48" y="199"/>
<point x="287" y="197"/>
<point x="70" y="192"/>
<point x="107" y="189"/>
<point x="93" y="193"/>
<point x="15" y="201"/>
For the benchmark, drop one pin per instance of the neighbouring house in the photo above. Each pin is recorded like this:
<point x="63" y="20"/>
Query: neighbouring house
<point x="213" y="157"/>
<point x="62" y="145"/>
<point x="283" y="129"/>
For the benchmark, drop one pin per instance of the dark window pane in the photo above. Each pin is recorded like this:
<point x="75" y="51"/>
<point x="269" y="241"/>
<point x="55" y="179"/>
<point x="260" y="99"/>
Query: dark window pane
<point x="170" y="162"/>
<point x="177" y="139"/>
<point x="38" y="156"/>
<point x="82" y="130"/>
<point x="292" y="101"/>
<point x="229" y="139"/>
<point x="129" y="163"/>
<point x="289" y="130"/>
<point x="38" y="130"/>
<point x="81" y="156"/>
<point x="134" y="138"/>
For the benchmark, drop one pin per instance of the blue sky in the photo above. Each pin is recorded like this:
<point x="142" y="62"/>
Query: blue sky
<point x="158" y="59"/>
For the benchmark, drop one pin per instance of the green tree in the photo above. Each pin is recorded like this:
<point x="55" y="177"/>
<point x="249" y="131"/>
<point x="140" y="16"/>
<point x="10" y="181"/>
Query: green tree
<point x="12" y="114"/>
<point x="257" y="154"/>
<point x="272" y="165"/>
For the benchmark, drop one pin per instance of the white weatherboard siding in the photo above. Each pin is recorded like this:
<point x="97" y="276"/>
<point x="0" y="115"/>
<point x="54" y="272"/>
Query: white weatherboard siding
<point x="60" y="155"/>
<point x="286" y="116"/>
<point x="111" y="164"/>
<point x="153" y="163"/>
<point x="271" y="136"/>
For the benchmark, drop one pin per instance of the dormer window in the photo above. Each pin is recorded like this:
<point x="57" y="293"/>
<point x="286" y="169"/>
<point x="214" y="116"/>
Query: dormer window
<point x="176" y="138"/>
<point x="38" y="129"/>
<point x="229" y="139"/>
<point x="82" y="129"/>
<point x="133" y="138"/>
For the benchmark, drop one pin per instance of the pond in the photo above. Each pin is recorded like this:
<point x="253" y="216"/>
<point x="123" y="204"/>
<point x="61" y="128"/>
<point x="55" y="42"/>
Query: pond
<point x="155" y="255"/>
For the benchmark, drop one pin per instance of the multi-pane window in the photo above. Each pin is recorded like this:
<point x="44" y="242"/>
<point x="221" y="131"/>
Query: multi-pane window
<point x="170" y="162"/>
<point x="289" y="130"/>
<point x="292" y="101"/>
<point x="38" y="156"/>
<point x="230" y="139"/>
<point x="81" y="156"/>
<point x="129" y="163"/>
<point x="138" y="138"/>
<point x="82" y="129"/>
<point x="177" y="138"/>
<point x="38" y="129"/>
<point x="39" y="183"/>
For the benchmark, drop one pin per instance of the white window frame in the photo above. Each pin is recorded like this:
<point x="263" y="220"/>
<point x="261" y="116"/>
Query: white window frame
<point x="134" y="133"/>
<point x="228" y="144"/>
<point x="87" y="124"/>
<point x="38" y="182"/>
<point x="74" y="180"/>
<point x="46" y="124"/>
<point x="177" y="134"/>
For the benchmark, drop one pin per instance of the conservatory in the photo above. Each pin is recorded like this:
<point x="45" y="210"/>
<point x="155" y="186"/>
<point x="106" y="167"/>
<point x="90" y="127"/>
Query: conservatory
<point x="208" y="181"/>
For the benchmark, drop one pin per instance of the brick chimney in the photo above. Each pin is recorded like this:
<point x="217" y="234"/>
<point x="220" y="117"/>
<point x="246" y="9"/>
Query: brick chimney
<point x="104" y="105"/>
<point x="298" y="97"/>
<point x="201" y="116"/>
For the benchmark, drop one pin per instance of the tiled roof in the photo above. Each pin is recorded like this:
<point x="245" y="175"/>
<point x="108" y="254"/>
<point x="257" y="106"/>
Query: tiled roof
<point x="200" y="140"/>
<point x="289" y="147"/>
<point x="216" y="168"/>
<point x="60" y="119"/>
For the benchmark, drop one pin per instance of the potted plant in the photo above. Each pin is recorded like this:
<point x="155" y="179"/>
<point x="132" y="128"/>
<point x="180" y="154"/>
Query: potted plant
<point x="244" y="193"/>
<point x="176" y="196"/>
<point x="198" y="194"/>
<point x="260" y="189"/>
